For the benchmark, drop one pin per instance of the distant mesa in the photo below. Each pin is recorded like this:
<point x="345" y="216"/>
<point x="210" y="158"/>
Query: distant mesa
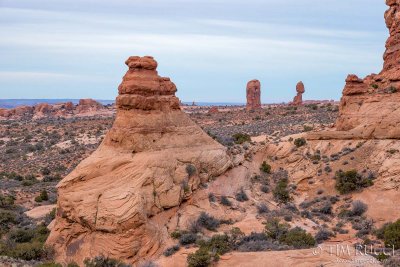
<point x="253" y="95"/>
<point x="298" y="99"/>
<point x="117" y="202"/>
<point x="370" y="107"/>
<point x="86" y="107"/>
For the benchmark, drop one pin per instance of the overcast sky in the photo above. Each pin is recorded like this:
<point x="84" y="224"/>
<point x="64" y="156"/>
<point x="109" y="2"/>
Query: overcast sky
<point x="209" y="48"/>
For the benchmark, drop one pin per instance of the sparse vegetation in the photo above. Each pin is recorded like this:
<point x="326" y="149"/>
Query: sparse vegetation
<point x="299" y="142"/>
<point x="350" y="181"/>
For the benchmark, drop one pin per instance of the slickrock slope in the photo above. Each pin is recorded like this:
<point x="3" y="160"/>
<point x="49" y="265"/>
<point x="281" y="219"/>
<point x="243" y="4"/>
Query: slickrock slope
<point x="253" y="95"/>
<point x="298" y="99"/>
<point x="370" y="107"/>
<point x="151" y="160"/>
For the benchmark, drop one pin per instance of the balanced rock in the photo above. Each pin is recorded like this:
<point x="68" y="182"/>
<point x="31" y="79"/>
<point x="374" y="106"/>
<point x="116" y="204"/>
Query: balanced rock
<point x="253" y="95"/>
<point x="153" y="158"/>
<point x="298" y="99"/>
<point x="370" y="107"/>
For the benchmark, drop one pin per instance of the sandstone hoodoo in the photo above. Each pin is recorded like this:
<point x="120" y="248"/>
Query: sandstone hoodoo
<point x="298" y="99"/>
<point x="370" y="107"/>
<point x="253" y="95"/>
<point x="152" y="159"/>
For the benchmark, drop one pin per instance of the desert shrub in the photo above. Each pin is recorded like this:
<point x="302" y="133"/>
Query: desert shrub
<point x="241" y="196"/>
<point x="299" y="142"/>
<point x="208" y="222"/>
<point x="187" y="239"/>
<point x="326" y="208"/>
<point x="275" y="229"/>
<point x="323" y="235"/>
<point x="219" y="244"/>
<point x="42" y="197"/>
<point x="241" y="138"/>
<point x="191" y="170"/>
<point x="176" y="234"/>
<point x="171" y="251"/>
<point x="265" y="167"/>
<point x="350" y="181"/>
<point x="22" y="235"/>
<point x="211" y="197"/>
<point x="195" y="227"/>
<point x="102" y="261"/>
<point x="391" y="234"/>
<point x="262" y="208"/>
<point x="6" y="202"/>
<point x="201" y="258"/>
<point x="45" y="171"/>
<point x="358" y="208"/>
<point x="255" y="242"/>
<point x="7" y="218"/>
<point x="298" y="238"/>
<point x="26" y="251"/>
<point x="307" y="128"/>
<point x="281" y="192"/>
<point x="225" y="201"/>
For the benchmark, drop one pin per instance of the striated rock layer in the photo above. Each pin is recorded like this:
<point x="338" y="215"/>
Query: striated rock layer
<point x="253" y="95"/>
<point x="298" y="99"/>
<point x="151" y="160"/>
<point x="370" y="107"/>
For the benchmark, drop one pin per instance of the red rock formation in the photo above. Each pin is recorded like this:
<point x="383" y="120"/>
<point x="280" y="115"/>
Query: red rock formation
<point x="213" y="110"/>
<point x="152" y="159"/>
<point x="88" y="105"/>
<point x="370" y="107"/>
<point x="298" y="99"/>
<point x="253" y="95"/>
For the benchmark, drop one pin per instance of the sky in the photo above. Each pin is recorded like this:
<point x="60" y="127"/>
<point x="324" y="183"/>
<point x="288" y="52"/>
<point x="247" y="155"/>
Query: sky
<point x="209" y="48"/>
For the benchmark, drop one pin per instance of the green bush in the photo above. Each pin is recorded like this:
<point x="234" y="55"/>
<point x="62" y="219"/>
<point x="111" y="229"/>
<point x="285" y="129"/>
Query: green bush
<point x="26" y="251"/>
<point x="210" y="251"/>
<point x="298" y="238"/>
<point x="391" y="234"/>
<point x="241" y="138"/>
<point x="201" y="258"/>
<point x="281" y="192"/>
<point x="22" y="235"/>
<point x="6" y="202"/>
<point x="299" y="142"/>
<point x="350" y="181"/>
<point x="265" y="167"/>
<point x="276" y="230"/>
<point x="42" y="197"/>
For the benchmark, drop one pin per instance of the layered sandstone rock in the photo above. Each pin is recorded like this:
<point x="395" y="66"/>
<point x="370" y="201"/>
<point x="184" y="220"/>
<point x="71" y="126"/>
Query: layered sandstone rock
<point x="253" y="95"/>
<point x="151" y="160"/>
<point x="370" y="107"/>
<point x="298" y="99"/>
<point x="88" y="105"/>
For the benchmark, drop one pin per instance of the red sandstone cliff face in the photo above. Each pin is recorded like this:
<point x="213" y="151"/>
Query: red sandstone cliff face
<point x="253" y="95"/>
<point x="370" y="107"/>
<point x="152" y="159"/>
